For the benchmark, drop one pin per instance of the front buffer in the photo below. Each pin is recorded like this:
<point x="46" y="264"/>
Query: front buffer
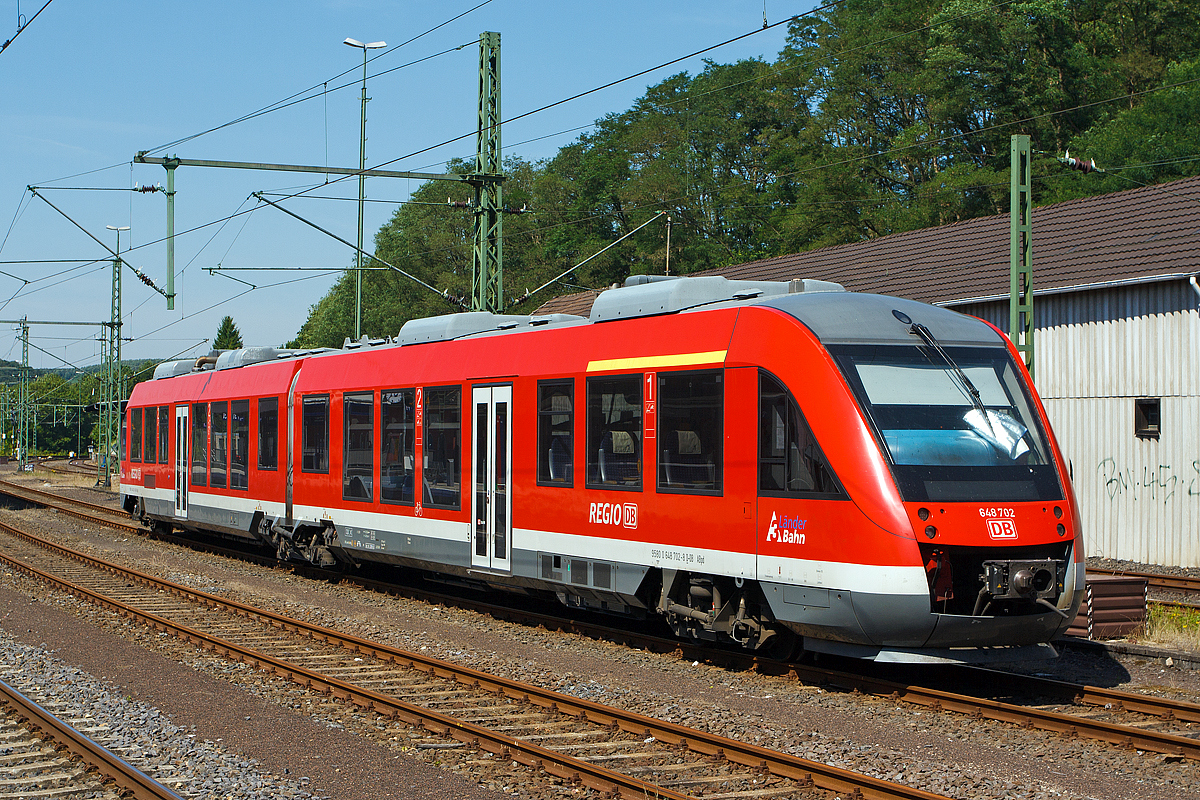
<point x="989" y="582"/>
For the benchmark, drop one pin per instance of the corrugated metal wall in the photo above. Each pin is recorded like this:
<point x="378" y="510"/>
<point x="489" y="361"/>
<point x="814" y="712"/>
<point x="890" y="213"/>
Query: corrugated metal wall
<point x="1097" y="352"/>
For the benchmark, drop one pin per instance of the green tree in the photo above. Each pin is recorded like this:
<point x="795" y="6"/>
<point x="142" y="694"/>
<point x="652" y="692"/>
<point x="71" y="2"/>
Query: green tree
<point x="1154" y="142"/>
<point x="228" y="337"/>
<point x="877" y="117"/>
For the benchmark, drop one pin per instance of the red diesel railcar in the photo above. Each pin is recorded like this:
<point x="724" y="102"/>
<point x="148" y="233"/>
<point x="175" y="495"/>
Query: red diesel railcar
<point x="758" y="462"/>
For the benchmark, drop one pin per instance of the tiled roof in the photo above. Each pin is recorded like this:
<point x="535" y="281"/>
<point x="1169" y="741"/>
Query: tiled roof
<point x="1140" y="234"/>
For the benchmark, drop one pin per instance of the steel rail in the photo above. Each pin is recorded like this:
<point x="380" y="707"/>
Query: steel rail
<point x="1156" y="580"/>
<point x="1114" y="733"/>
<point x="1028" y="717"/>
<point x="1162" y="707"/>
<point x="63" y="504"/>
<point x="1073" y="693"/>
<point x="132" y="782"/>
<point x="803" y="771"/>
<point x="1176" y="604"/>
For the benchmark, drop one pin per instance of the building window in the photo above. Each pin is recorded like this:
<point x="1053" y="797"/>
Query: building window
<point x="239" y="444"/>
<point x="396" y="458"/>
<point x="268" y="433"/>
<point x="314" y="434"/>
<point x="358" y="467"/>
<point x="789" y="459"/>
<point x="556" y="433"/>
<point x="199" y="444"/>
<point x="690" y="431"/>
<point x="614" y="432"/>
<point x="164" y="432"/>
<point x="1146" y="418"/>
<point x="135" y="438"/>
<point x="219" y="450"/>
<point x="442" y="459"/>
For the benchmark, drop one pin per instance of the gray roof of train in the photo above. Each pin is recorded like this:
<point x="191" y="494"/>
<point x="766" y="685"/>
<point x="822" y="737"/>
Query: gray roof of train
<point x="854" y="318"/>
<point x="834" y="315"/>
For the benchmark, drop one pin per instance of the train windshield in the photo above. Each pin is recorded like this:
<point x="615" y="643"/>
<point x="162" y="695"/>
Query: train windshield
<point x="956" y="424"/>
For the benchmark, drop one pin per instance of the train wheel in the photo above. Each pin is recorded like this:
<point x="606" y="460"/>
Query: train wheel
<point x="783" y="645"/>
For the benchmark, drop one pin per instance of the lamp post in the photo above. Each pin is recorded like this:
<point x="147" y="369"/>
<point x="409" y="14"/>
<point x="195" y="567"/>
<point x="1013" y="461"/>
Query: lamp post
<point x="362" y="165"/>
<point x="113" y="391"/>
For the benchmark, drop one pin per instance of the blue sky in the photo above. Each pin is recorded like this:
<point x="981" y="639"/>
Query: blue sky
<point x="86" y="85"/>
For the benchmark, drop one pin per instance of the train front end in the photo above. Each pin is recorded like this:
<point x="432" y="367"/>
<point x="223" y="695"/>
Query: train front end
<point x="978" y="487"/>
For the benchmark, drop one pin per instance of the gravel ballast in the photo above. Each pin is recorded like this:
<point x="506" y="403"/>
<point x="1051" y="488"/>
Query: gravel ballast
<point x="139" y="733"/>
<point x="944" y="753"/>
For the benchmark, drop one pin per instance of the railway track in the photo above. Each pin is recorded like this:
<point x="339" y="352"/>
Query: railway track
<point x="604" y="748"/>
<point x="1174" y="583"/>
<point x="70" y="467"/>
<point x="45" y="756"/>
<point x="108" y="516"/>
<point x="1123" y="718"/>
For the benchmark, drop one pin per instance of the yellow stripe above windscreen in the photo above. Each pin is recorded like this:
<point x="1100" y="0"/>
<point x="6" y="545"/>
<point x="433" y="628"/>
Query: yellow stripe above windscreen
<point x="657" y="362"/>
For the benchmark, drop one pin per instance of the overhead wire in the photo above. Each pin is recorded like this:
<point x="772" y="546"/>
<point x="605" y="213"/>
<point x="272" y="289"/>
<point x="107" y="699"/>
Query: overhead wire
<point x="292" y="99"/>
<point x="584" y="93"/>
<point x="459" y="138"/>
<point x="21" y="28"/>
<point x="874" y="155"/>
<point x="608" y="85"/>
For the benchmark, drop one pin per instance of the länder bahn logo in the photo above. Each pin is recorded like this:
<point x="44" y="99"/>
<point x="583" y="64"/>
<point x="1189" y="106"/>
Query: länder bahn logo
<point x="786" y="529"/>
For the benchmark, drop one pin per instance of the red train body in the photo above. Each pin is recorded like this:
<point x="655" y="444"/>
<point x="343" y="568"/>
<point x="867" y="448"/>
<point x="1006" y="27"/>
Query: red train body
<point x="754" y="461"/>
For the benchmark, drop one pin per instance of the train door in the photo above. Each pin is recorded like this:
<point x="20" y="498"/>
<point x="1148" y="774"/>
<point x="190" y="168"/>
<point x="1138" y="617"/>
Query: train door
<point x="181" y="460"/>
<point x="491" y="499"/>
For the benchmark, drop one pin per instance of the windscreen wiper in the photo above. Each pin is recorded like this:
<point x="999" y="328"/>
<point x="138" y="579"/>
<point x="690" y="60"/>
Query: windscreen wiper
<point x="969" y="388"/>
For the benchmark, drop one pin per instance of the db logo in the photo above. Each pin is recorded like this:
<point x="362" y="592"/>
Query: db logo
<point x="1002" y="529"/>
<point x="613" y="514"/>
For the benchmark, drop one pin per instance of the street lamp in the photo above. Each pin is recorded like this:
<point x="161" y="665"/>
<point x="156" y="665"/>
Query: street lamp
<point x="118" y="229"/>
<point x="114" y="391"/>
<point x="362" y="165"/>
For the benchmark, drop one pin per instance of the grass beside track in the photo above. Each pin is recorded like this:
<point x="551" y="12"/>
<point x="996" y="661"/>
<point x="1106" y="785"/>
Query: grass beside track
<point x="1172" y="628"/>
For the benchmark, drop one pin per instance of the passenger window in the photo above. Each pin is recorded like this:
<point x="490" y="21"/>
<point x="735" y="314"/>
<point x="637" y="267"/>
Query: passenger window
<point x="358" y="466"/>
<point x="164" y="432"/>
<point x="219" y="455"/>
<point x="614" y="432"/>
<point x="199" y="444"/>
<point x="151" y="423"/>
<point x="690" y="431"/>
<point x="314" y="434"/>
<point x="789" y="458"/>
<point x="135" y="438"/>
<point x="556" y="432"/>
<point x="396" y="457"/>
<point x="442" y="448"/>
<point x="268" y="433"/>
<point x="239" y="444"/>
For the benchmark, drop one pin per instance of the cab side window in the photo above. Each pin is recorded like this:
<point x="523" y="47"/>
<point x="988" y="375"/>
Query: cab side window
<point x="199" y="418"/>
<point x="397" y="435"/>
<point x="151" y="423"/>
<point x="135" y="435"/>
<point x="690" y="431"/>
<point x="314" y="434"/>
<point x="358" y="459"/>
<point x="556" y="432"/>
<point x="442" y="447"/>
<point x="789" y="459"/>
<point x="614" y="432"/>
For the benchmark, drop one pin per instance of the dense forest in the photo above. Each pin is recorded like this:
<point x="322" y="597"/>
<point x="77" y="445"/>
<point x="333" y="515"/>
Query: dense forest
<point x="876" y="118"/>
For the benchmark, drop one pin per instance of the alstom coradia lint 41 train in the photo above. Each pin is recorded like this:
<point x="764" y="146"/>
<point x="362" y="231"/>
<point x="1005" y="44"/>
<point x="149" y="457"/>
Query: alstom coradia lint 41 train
<point x="757" y="462"/>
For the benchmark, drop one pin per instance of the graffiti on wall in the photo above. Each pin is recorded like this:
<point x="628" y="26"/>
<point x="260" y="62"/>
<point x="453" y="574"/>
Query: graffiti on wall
<point x="1161" y="483"/>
